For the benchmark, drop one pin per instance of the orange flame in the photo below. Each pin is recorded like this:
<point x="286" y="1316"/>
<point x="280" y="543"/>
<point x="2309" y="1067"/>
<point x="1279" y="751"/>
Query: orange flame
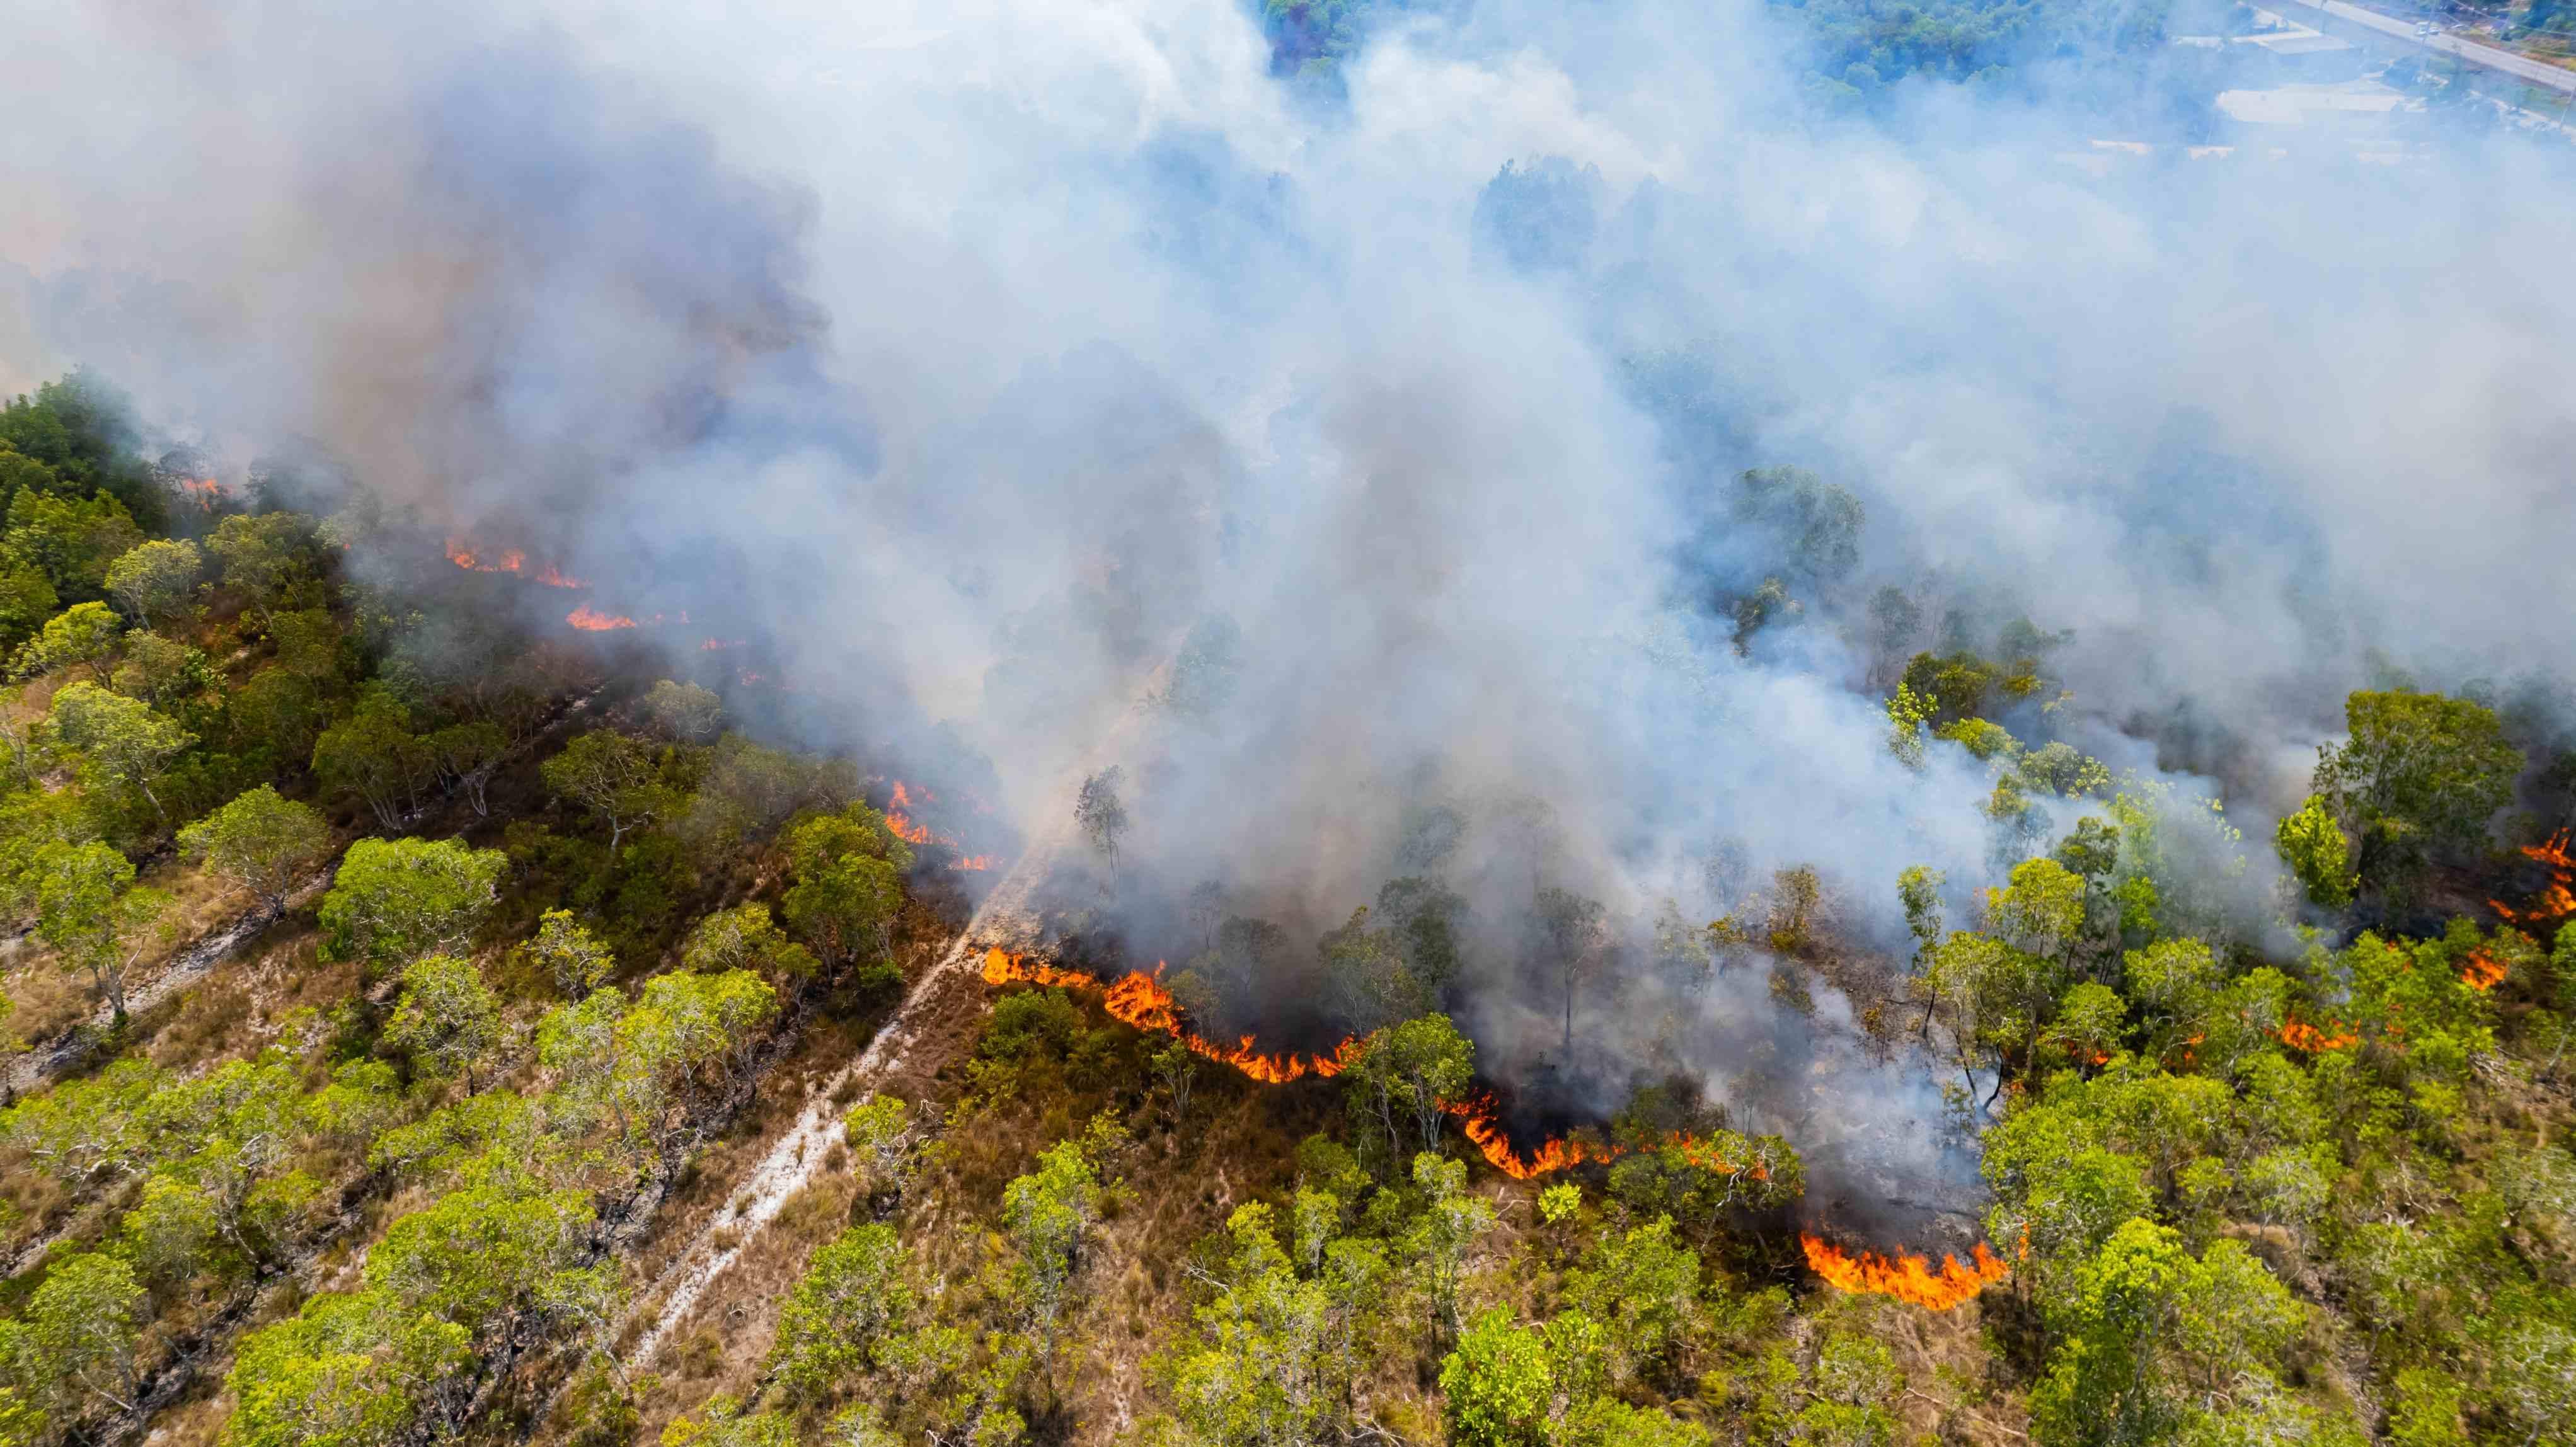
<point x="511" y="560"/>
<point x="1907" y="1278"/>
<point x="974" y="863"/>
<point x="1141" y="1000"/>
<point x="2558" y="900"/>
<point x="2484" y="972"/>
<point x="591" y="620"/>
<point x="2300" y="1035"/>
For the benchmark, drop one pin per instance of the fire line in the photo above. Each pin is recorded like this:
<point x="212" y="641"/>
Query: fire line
<point x="1140" y="999"/>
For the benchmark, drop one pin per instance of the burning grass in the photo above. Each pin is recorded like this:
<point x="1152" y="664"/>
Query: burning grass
<point x="1140" y="1000"/>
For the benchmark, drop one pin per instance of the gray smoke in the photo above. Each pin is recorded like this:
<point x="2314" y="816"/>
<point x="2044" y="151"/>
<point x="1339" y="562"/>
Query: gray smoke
<point x="975" y="357"/>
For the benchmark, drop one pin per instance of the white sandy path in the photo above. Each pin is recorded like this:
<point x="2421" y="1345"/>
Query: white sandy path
<point x="1004" y="920"/>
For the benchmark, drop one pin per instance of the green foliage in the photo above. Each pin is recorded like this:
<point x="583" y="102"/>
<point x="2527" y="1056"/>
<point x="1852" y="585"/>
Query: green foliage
<point x="1816" y="523"/>
<point x="361" y="1369"/>
<point x="2311" y="843"/>
<point x="87" y="910"/>
<point x="848" y="870"/>
<point x="1048" y="1213"/>
<point x="68" y="541"/>
<point x="266" y="558"/>
<point x="395" y="900"/>
<point x="446" y="1020"/>
<point x="615" y="777"/>
<point x="81" y="636"/>
<point x="745" y="938"/>
<point x="152" y="579"/>
<point x="1448" y="1226"/>
<point x="124" y="745"/>
<point x="571" y="955"/>
<point x="1403" y="1075"/>
<point x="2420" y="776"/>
<point x="2151" y="1341"/>
<point x="683" y="711"/>
<point x="1649" y="1284"/>
<point x="373" y="755"/>
<point x="836" y="1323"/>
<point x="260" y="842"/>
<point x="1099" y="813"/>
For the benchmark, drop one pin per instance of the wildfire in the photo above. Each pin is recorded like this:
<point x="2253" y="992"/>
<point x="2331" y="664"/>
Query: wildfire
<point x="974" y="863"/>
<point x="205" y="492"/>
<point x="2300" y="1035"/>
<point x="1907" y="1278"/>
<point x="591" y="620"/>
<point x="509" y="560"/>
<point x="2558" y="900"/>
<point x="2484" y="971"/>
<point x="1140" y="999"/>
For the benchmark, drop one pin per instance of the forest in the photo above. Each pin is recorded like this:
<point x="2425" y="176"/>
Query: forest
<point x="429" y="1026"/>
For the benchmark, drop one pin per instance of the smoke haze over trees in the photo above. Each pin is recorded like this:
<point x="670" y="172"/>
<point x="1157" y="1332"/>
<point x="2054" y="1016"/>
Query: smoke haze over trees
<point x="1788" y="574"/>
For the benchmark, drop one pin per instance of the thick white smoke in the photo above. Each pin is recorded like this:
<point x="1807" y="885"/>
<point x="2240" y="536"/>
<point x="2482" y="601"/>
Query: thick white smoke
<point x="975" y="354"/>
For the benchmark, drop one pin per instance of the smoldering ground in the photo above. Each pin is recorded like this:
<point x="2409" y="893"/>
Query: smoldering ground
<point x="974" y="359"/>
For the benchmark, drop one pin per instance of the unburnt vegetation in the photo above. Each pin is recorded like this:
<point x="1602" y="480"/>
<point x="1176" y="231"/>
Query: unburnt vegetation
<point x="403" y="993"/>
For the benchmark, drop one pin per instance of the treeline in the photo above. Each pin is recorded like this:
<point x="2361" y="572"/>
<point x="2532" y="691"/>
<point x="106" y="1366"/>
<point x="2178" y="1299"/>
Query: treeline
<point x="481" y="1064"/>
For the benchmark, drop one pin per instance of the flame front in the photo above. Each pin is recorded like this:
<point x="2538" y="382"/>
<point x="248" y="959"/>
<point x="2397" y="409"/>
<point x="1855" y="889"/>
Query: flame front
<point x="2300" y="1035"/>
<point x="1140" y="999"/>
<point x="2558" y="900"/>
<point x="466" y="555"/>
<point x="591" y="620"/>
<point x="2484" y="971"/>
<point x="1907" y="1278"/>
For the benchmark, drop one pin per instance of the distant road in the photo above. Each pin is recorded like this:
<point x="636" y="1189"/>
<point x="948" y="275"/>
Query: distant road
<point x="2520" y="67"/>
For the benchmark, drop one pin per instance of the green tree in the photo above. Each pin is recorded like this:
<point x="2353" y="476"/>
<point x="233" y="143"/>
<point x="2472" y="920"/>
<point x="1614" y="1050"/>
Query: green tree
<point x="447" y="1020"/>
<point x="465" y="755"/>
<point x="81" y="636"/>
<point x="263" y="555"/>
<point x="261" y="842"/>
<point x="1403" y="1076"/>
<point x="612" y="776"/>
<point x="70" y="540"/>
<point x="1649" y="1284"/>
<point x="158" y="671"/>
<point x="87" y="911"/>
<point x="745" y="938"/>
<point x="83" y="1323"/>
<point x="848" y="882"/>
<point x="2420" y="773"/>
<point x="1048" y="1213"/>
<point x="684" y="711"/>
<point x="373" y="754"/>
<point x="1573" y="936"/>
<point x="1100" y="815"/>
<point x="352" y="1369"/>
<point x="123" y="743"/>
<point x="835" y="1323"/>
<point x="1451" y="1221"/>
<point x="2148" y="1338"/>
<point x="396" y="900"/>
<point x="575" y="958"/>
<point x="1512" y="1386"/>
<point x="2311" y="843"/>
<point x="26" y="601"/>
<point x="150" y="580"/>
<point x="878" y="1131"/>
